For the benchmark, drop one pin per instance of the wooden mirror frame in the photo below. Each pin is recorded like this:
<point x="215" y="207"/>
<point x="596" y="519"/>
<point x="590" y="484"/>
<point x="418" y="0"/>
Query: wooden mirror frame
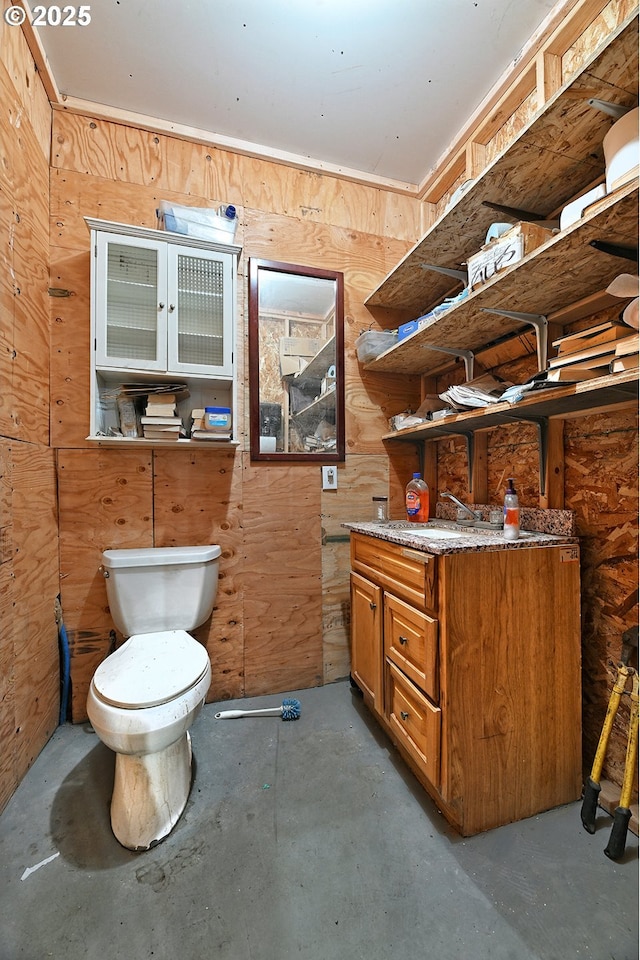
<point x="260" y="269"/>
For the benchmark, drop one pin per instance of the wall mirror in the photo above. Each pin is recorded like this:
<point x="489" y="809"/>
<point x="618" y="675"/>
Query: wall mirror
<point x="296" y="362"/>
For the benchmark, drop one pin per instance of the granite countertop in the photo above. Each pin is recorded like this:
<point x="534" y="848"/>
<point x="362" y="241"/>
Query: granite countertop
<point x="476" y="539"/>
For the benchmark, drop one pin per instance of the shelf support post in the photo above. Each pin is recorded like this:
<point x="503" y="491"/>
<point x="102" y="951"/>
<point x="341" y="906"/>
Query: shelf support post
<point x="538" y="321"/>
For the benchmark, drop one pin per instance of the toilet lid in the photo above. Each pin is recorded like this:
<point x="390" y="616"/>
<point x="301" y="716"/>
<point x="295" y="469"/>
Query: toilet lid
<point x="150" y="669"/>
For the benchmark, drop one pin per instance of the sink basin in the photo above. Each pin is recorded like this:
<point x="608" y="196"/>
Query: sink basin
<point x="434" y="533"/>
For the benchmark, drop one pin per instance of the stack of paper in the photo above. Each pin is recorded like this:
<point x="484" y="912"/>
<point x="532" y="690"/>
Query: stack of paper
<point x="475" y="393"/>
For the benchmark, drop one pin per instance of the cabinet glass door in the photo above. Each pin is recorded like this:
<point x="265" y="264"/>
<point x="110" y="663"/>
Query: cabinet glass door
<point x="130" y="279"/>
<point x="200" y="312"/>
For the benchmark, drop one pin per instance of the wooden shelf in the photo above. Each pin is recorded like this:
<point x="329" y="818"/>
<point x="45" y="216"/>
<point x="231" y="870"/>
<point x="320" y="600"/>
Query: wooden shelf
<point x="319" y="406"/>
<point x="175" y="444"/>
<point x="577" y="399"/>
<point x="564" y="269"/>
<point x="318" y="365"/>
<point x="556" y="157"/>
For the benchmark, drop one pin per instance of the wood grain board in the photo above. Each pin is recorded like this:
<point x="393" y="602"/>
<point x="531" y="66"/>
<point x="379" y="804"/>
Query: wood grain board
<point x="29" y="661"/>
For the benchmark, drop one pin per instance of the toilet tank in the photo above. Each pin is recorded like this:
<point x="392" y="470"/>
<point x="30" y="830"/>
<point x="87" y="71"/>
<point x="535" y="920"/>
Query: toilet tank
<point x="160" y="588"/>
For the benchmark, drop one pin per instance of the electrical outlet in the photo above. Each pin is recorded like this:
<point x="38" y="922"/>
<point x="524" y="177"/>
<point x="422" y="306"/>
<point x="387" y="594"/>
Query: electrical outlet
<point x="329" y="478"/>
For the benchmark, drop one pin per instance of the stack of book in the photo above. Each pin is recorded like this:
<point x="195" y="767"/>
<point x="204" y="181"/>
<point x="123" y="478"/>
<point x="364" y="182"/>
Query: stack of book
<point x="626" y="357"/>
<point x="160" y="420"/>
<point x="589" y="353"/>
<point x="198" y="430"/>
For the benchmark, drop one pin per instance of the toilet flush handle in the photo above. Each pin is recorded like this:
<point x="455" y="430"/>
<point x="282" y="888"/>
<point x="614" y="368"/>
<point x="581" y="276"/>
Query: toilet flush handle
<point x="105" y="573"/>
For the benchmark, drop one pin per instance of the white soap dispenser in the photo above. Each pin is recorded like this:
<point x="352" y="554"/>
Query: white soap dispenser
<point x="511" y="513"/>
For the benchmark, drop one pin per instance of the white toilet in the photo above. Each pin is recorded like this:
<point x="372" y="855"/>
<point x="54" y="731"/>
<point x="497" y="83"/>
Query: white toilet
<point x="145" y="696"/>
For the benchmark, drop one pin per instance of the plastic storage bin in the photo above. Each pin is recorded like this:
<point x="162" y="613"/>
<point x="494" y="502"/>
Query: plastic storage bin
<point x="372" y="343"/>
<point x="202" y="223"/>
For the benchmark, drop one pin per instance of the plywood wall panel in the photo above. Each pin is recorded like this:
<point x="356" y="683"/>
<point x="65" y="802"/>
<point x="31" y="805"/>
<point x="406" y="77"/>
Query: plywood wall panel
<point x="607" y="21"/>
<point x="283" y="641"/>
<point x="176" y="167"/>
<point x="9" y="772"/>
<point x="29" y="668"/>
<point x="359" y="479"/>
<point x="105" y="502"/>
<point x="70" y="325"/>
<point x="282" y="576"/>
<point x="22" y="73"/>
<point x="35" y="570"/>
<point x="602" y="479"/>
<point x="24" y="408"/>
<point x="198" y="501"/>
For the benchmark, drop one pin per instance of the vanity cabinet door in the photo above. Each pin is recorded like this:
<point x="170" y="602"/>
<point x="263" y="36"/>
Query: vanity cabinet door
<point x="411" y="642"/>
<point x="366" y="639"/>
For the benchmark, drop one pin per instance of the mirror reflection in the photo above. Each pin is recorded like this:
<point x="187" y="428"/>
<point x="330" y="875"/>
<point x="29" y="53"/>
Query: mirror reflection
<point x="295" y="362"/>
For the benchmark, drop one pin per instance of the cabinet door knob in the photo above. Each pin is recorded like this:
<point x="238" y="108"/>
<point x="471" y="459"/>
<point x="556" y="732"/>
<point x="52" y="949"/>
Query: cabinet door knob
<point x="405" y="716"/>
<point x="172" y="307"/>
<point x="161" y="306"/>
<point x="403" y="639"/>
<point x="372" y="605"/>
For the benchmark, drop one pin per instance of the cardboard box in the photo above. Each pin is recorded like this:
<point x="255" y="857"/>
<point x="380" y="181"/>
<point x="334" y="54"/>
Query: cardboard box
<point x="296" y="352"/>
<point x="504" y="251"/>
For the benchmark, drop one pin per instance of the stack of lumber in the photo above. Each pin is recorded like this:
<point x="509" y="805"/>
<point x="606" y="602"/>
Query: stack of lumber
<point x="593" y="352"/>
<point x="160" y="420"/>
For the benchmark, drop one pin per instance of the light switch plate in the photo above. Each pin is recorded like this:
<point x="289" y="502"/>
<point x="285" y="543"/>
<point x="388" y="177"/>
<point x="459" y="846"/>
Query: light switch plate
<point x="329" y="478"/>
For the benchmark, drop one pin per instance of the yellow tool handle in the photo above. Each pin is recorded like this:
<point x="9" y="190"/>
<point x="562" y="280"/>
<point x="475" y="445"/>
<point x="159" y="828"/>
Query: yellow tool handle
<point x="592" y="785"/>
<point x="632" y="746"/>
<point x="614" y="701"/>
<point x="622" y="815"/>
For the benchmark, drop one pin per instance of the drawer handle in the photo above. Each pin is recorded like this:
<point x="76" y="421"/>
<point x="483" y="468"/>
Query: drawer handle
<point x="372" y="605"/>
<point x="405" y="716"/>
<point x="403" y="639"/>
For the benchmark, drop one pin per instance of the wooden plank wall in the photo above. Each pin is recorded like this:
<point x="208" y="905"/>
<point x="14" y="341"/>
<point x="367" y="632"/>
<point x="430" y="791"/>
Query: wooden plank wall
<point x="29" y="665"/>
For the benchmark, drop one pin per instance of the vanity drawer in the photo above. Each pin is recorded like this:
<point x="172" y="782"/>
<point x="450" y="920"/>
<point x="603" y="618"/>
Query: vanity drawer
<point x="415" y="721"/>
<point x="411" y="642"/>
<point x="409" y="574"/>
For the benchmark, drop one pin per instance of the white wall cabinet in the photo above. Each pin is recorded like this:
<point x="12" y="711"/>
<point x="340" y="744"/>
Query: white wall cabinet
<point x="163" y="311"/>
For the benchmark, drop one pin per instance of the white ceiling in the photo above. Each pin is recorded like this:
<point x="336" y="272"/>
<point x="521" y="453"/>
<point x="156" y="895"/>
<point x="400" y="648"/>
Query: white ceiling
<point x="375" y="86"/>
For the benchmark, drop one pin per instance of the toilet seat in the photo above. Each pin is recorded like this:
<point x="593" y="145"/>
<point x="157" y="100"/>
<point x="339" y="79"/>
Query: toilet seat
<point x="150" y="669"/>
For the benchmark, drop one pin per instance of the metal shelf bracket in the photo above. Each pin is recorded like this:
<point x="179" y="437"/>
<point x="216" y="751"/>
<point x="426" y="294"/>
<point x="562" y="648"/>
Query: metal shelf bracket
<point x="542" y="423"/>
<point x="461" y="275"/>
<point x="611" y="109"/>
<point x="538" y="321"/>
<point x="467" y="355"/>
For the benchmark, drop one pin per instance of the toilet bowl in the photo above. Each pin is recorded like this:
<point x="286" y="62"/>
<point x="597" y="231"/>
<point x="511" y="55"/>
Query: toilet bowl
<point x="145" y="696"/>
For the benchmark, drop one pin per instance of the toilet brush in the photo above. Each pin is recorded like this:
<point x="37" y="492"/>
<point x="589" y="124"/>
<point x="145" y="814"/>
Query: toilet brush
<point x="290" y="710"/>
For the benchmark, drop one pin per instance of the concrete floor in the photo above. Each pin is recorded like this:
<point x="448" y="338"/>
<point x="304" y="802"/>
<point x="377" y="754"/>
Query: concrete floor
<point x="306" y="839"/>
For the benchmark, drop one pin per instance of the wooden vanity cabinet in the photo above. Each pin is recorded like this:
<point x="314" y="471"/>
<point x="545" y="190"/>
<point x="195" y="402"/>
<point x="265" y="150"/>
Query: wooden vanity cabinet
<point x="473" y="669"/>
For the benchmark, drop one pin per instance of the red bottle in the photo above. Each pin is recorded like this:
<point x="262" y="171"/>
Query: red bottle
<point x="417" y="500"/>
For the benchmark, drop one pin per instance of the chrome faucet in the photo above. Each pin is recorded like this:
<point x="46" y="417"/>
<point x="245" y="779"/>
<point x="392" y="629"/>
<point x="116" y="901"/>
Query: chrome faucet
<point x="473" y="514"/>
